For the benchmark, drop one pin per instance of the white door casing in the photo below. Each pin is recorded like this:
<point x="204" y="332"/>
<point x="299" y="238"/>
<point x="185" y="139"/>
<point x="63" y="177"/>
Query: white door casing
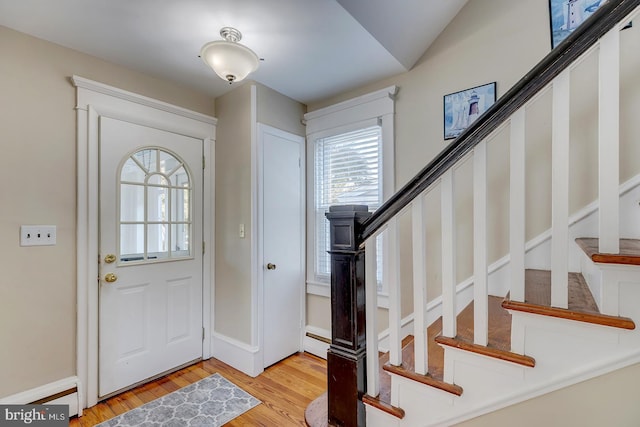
<point x="281" y="196"/>
<point x="93" y="101"/>
<point x="151" y="224"/>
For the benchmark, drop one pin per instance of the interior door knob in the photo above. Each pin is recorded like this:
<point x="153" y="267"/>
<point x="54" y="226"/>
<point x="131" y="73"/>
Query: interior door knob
<point x="110" y="278"/>
<point x="271" y="266"/>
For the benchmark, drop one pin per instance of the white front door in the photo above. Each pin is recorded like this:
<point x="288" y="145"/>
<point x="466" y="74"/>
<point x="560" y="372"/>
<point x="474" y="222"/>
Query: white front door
<point x="150" y="297"/>
<point x="283" y="244"/>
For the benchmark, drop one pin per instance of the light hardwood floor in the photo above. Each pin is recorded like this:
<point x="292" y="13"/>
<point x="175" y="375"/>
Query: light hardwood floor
<point x="285" y="390"/>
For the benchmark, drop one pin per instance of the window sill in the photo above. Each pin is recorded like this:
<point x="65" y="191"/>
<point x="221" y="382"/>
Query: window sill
<point x="324" y="290"/>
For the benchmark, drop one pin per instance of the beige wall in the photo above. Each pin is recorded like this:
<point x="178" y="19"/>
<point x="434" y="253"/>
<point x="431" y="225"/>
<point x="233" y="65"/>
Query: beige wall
<point x="609" y="400"/>
<point x="233" y="207"/>
<point x="279" y="111"/>
<point x="233" y="316"/>
<point x="38" y="186"/>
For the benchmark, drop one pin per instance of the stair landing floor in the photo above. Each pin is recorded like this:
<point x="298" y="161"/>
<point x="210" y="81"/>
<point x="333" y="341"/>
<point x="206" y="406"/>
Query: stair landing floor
<point x="629" y="251"/>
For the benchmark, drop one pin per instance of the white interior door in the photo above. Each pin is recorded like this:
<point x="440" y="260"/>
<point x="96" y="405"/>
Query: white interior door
<point x="283" y="243"/>
<point x="150" y="297"/>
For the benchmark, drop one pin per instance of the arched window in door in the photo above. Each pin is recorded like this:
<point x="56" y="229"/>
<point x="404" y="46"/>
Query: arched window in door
<point x="155" y="215"/>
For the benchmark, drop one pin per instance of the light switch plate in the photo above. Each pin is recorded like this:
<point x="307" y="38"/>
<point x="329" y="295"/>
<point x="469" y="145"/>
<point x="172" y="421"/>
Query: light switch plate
<point x="37" y="235"/>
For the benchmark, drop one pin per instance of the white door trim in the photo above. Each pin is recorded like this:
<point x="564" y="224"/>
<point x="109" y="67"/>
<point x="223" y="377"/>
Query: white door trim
<point x="261" y="130"/>
<point x="93" y="100"/>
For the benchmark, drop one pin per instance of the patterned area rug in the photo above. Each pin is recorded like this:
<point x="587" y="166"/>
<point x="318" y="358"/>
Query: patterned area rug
<point x="210" y="402"/>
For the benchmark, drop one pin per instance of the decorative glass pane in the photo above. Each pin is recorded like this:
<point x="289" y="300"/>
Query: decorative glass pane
<point x="155" y="194"/>
<point x="157" y="241"/>
<point x="131" y="242"/>
<point x="168" y="163"/>
<point x="157" y="179"/>
<point x="148" y="159"/>
<point x="157" y="204"/>
<point x="131" y="172"/>
<point x="180" y="243"/>
<point x="180" y="205"/>
<point x="131" y="202"/>
<point x="180" y="178"/>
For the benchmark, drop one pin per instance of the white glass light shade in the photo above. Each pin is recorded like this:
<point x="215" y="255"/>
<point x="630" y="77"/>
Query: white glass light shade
<point x="231" y="61"/>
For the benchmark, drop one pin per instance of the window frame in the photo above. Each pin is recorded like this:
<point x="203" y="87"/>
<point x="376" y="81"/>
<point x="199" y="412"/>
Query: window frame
<point x="322" y="277"/>
<point x="145" y="222"/>
<point x="375" y="108"/>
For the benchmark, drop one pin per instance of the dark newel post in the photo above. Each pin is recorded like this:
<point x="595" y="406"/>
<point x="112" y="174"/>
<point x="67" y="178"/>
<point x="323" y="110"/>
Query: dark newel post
<point x="346" y="358"/>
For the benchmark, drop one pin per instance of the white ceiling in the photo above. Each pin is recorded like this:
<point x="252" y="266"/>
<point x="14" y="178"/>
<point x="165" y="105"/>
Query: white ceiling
<point x="312" y="49"/>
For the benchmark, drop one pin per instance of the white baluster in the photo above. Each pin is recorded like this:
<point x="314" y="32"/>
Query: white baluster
<point x="480" y="287"/>
<point x="449" y="328"/>
<point x="371" y="301"/>
<point x="517" y="213"/>
<point x="560" y="190"/>
<point x="419" y="286"/>
<point x="393" y="274"/>
<point x="609" y="142"/>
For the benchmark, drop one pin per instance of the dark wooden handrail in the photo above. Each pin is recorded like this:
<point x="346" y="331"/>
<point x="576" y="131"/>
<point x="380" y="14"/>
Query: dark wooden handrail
<point x="578" y="42"/>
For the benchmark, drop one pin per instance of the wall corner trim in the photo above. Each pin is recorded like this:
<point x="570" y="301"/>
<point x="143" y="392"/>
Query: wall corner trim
<point x="242" y="356"/>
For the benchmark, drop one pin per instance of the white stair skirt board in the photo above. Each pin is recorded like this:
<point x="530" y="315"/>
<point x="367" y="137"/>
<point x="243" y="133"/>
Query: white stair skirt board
<point x="237" y="354"/>
<point x="47" y="391"/>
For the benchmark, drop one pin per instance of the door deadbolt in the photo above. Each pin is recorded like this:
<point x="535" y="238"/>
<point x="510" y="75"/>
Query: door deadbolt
<point x="110" y="258"/>
<point x="271" y="266"/>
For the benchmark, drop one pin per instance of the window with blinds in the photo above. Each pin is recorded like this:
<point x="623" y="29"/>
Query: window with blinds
<point x="348" y="171"/>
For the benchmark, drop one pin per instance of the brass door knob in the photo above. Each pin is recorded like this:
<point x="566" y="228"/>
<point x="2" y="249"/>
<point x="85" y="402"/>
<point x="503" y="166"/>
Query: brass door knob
<point x="110" y="258"/>
<point x="271" y="266"/>
<point x="110" y="278"/>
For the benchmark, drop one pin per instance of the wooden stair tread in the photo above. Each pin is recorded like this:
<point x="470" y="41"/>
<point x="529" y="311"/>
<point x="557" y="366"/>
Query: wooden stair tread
<point x="581" y="305"/>
<point x="629" y="251"/>
<point x="489" y="351"/>
<point x="423" y="379"/>
<point x="499" y="337"/>
<point x="383" y="405"/>
<point x="537" y="291"/>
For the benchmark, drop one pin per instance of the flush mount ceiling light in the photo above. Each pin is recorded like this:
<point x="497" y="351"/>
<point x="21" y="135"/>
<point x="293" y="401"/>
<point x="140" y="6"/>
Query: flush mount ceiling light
<point x="228" y="58"/>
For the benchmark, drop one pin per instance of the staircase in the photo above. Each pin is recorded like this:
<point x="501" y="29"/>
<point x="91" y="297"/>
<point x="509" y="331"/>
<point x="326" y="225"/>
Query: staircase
<point x="558" y="309"/>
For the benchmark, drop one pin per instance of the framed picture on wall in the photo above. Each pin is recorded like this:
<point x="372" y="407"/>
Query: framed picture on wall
<point x="566" y="15"/>
<point x="462" y="108"/>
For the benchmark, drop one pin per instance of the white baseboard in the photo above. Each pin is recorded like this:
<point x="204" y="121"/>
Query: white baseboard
<point x="314" y="346"/>
<point x="235" y="353"/>
<point x="46" y="391"/>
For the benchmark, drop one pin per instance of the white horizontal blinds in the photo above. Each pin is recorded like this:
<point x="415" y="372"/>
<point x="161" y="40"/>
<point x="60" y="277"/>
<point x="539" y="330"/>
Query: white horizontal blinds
<point x="348" y="171"/>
